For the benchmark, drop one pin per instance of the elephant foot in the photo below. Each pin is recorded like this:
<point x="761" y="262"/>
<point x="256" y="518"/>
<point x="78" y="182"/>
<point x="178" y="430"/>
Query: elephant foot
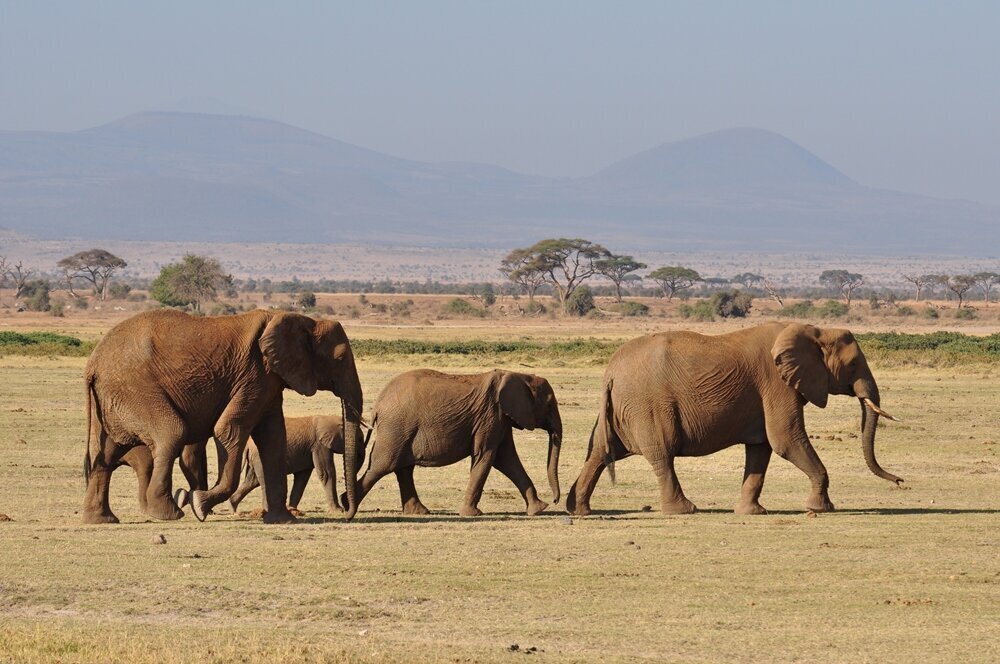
<point x="198" y="505"/>
<point x="279" y="516"/>
<point x="415" y="508"/>
<point x="164" y="510"/>
<point x="182" y="497"/>
<point x="96" y="517"/>
<point x="750" y="508"/>
<point x="470" y="510"/>
<point x="537" y="507"/>
<point x="581" y="509"/>
<point x="819" y="504"/>
<point x="682" y="506"/>
<point x="232" y="506"/>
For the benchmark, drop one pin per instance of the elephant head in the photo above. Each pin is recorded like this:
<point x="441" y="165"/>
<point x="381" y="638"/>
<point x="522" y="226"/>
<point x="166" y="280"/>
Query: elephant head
<point x="818" y="362"/>
<point x="312" y="355"/>
<point x="529" y="403"/>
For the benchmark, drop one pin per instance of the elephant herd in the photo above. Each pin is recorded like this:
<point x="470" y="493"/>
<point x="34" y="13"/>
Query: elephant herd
<point x="161" y="383"/>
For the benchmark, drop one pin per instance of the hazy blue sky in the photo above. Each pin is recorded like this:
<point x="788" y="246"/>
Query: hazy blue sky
<point x="902" y="95"/>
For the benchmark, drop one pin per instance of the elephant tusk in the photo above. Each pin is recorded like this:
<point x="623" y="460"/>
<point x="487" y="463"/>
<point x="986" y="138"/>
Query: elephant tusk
<point x="871" y="404"/>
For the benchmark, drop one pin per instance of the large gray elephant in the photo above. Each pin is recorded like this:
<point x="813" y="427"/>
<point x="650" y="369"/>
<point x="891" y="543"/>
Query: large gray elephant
<point x="312" y="442"/>
<point x="684" y="394"/>
<point x="164" y="379"/>
<point x="429" y="418"/>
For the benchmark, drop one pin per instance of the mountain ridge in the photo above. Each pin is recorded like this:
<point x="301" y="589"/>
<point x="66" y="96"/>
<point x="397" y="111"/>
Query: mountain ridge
<point x="195" y="176"/>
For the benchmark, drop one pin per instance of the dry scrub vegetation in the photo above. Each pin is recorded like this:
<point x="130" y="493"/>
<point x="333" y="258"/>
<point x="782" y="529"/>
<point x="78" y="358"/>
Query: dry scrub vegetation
<point x="907" y="574"/>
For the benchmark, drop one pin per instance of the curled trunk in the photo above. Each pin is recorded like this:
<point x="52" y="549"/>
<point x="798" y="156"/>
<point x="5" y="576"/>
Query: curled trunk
<point x="555" y="442"/>
<point x="869" y="422"/>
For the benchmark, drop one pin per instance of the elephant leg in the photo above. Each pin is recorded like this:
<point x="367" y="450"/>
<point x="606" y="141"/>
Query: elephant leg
<point x="159" y="501"/>
<point x="578" y="497"/>
<point x="408" y="493"/>
<point x="758" y="457"/>
<point x="231" y="434"/>
<point x="140" y="460"/>
<point x="249" y="483"/>
<point x="194" y="465"/>
<point x="802" y="454"/>
<point x="299" y="482"/>
<point x="382" y="460"/>
<point x="481" y="466"/>
<point x="269" y="436"/>
<point x="96" y="508"/>
<point x="327" y="472"/>
<point x="508" y="463"/>
<point x="672" y="499"/>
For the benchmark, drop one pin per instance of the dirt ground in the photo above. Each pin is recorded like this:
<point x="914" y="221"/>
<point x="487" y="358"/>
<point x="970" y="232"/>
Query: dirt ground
<point x="901" y="574"/>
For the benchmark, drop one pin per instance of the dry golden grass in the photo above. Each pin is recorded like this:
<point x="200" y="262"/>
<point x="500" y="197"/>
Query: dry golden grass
<point x="903" y="574"/>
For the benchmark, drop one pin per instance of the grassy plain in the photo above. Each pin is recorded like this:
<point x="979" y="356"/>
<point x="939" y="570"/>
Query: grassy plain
<point x="908" y="574"/>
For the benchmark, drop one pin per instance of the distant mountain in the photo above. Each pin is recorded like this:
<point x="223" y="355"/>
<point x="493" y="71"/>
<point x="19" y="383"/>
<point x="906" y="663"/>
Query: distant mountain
<point x="186" y="176"/>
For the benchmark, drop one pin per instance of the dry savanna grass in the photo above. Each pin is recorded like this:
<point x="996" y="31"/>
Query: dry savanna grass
<point x="902" y="574"/>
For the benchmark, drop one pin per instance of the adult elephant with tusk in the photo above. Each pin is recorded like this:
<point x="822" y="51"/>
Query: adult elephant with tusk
<point x="429" y="418"/>
<point x="684" y="394"/>
<point x="164" y="379"/>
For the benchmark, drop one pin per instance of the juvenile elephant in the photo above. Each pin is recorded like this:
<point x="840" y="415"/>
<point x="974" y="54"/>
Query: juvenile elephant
<point x="684" y="394"/>
<point x="429" y="418"/>
<point x="312" y="442"/>
<point x="164" y="379"/>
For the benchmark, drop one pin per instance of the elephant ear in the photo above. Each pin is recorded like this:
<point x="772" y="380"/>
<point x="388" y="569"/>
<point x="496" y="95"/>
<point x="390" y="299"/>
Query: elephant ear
<point x="517" y="401"/>
<point x="287" y="344"/>
<point x="799" y="358"/>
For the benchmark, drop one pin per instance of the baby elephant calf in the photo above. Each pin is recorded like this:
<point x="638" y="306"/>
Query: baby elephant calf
<point x="312" y="442"/>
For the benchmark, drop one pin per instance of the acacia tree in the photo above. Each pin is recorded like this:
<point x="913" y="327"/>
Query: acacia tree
<point x="674" y="278"/>
<point x="191" y="281"/>
<point x="566" y="263"/>
<point x="920" y="282"/>
<point x="617" y="269"/>
<point x="986" y="281"/>
<point x="772" y="290"/>
<point x="521" y="269"/>
<point x="93" y="265"/>
<point x="747" y="279"/>
<point x="959" y="284"/>
<point x="19" y="275"/>
<point x="842" y="280"/>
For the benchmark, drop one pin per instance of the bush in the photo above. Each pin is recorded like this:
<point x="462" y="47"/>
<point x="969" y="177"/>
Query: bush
<point x="803" y="309"/>
<point x="81" y="303"/>
<point x="905" y="311"/>
<point x="36" y="295"/>
<point x="459" y="307"/>
<point x="535" y="307"/>
<point x="306" y="300"/>
<point x="223" y="309"/>
<point x="932" y="313"/>
<point x="58" y="309"/>
<point x="965" y="314"/>
<point x="732" y="304"/>
<point x="580" y="302"/>
<point x="119" y="291"/>
<point x="832" y="309"/>
<point x="633" y="309"/>
<point x="701" y="311"/>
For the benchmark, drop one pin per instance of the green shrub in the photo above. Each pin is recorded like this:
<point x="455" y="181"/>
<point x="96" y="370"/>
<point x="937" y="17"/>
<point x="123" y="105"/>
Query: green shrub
<point x="803" y="309"/>
<point x="535" y="307"/>
<point x="965" y="314"/>
<point x="732" y="304"/>
<point x="459" y="307"/>
<point x="580" y="302"/>
<point x="36" y="295"/>
<point x="832" y="309"/>
<point x="633" y="309"/>
<point x="931" y="312"/>
<point x="701" y="310"/>
<point x="119" y="291"/>
<point x="905" y="311"/>
<point x="306" y="300"/>
<point x="81" y="303"/>
<point x="58" y="308"/>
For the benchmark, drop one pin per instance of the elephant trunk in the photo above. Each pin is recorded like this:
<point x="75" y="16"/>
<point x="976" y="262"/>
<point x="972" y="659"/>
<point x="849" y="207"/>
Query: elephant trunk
<point x="555" y="443"/>
<point x="352" y="403"/>
<point x="867" y="390"/>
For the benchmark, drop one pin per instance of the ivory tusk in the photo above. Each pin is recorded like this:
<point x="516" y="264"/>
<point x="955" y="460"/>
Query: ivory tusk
<point x="871" y="404"/>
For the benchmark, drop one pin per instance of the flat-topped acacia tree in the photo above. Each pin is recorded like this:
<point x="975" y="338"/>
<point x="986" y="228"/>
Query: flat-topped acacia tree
<point x="563" y="262"/>
<point x="95" y="266"/>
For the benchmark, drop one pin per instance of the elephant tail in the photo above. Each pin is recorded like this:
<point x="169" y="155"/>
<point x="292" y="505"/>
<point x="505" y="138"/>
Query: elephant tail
<point x="608" y="412"/>
<point x="91" y="399"/>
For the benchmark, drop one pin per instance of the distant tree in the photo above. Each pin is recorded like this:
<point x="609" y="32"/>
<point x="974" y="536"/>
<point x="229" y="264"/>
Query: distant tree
<point x="920" y="282"/>
<point x="618" y="269"/>
<point x="959" y="284"/>
<point x="674" y="278"/>
<point x="191" y="281"/>
<point x="3" y="275"/>
<point x="93" y="265"/>
<point x="521" y="268"/>
<point x="305" y="300"/>
<point x="843" y="281"/>
<point x="566" y="263"/>
<point x="732" y="304"/>
<point x="19" y="275"/>
<point x="485" y="294"/>
<point x="36" y="294"/>
<point x="772" y="290"/>
<point x="747" y="279"/>
<point x="986" y="281"/>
